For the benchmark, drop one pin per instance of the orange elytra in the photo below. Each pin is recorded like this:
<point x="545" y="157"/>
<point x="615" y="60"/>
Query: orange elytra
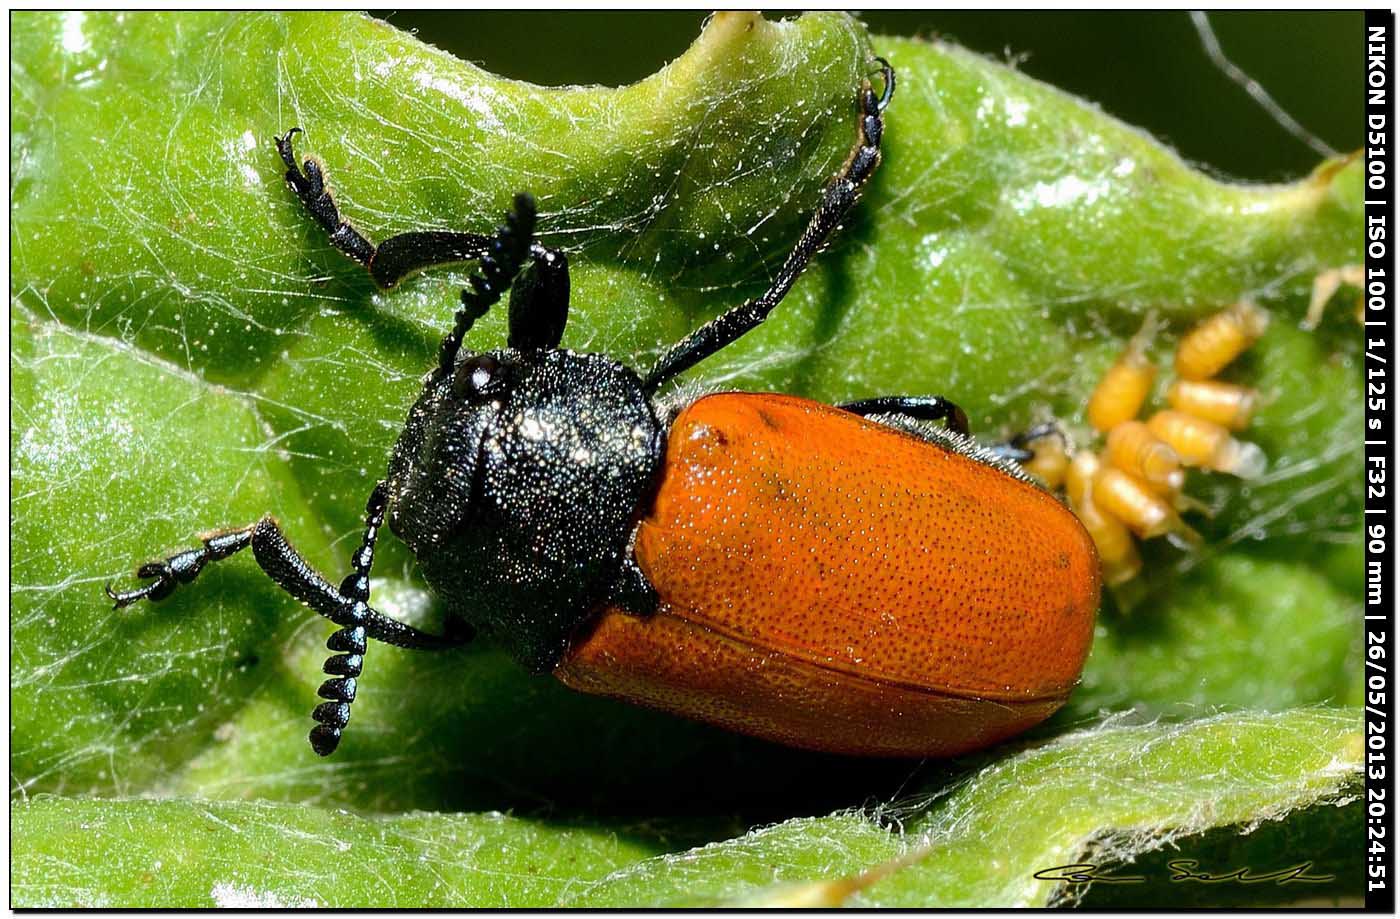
<point x="832" y="583"/>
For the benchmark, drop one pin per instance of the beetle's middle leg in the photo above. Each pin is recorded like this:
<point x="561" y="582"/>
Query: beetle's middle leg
<point x="346" y="606"/>
<point x="840" y="196"/>
<point x="937" y="408"/>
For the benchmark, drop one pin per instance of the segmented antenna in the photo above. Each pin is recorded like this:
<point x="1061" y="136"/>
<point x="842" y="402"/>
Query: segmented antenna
<point x="345" y="668"/>
<point x="495" y="272"/>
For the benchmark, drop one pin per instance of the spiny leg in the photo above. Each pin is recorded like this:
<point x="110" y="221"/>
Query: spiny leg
<point x="840" y="196"/>
<point x="922" y="408"/>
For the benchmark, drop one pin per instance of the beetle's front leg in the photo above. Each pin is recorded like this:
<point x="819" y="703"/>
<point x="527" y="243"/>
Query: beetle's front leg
<point x="282" y="564"/>
<point x="390" y="261"/>
<point x="310" y="186"/>
<point x="183" y="567"/>
<point x="346" y="606"/>
<point x="837" y="201"/>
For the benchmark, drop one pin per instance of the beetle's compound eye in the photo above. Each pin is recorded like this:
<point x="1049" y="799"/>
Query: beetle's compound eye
<point x="477" y="378"/>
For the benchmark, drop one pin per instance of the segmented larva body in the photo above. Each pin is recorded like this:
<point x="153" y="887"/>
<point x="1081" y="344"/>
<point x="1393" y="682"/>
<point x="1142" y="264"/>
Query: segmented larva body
<point x="1130" y="500"/>
<point x="1207" y="445"/>
<point x="1118" y="552"/>
<point x="1227" y="404"/>
<point x="1133" y="489"/>
<point x="1124" y="388"/>
<point x="1136" y="451"/>
<point x="1217" y="340"/>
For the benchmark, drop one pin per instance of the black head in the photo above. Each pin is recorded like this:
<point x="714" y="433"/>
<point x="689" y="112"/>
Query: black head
<point x="517" y="481"/>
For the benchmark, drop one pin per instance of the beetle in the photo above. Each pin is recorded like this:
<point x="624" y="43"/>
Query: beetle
<point x="862" y="579"/>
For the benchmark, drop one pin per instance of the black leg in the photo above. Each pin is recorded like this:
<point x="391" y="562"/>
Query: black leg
<point x="1018" y="449"/>
<point x="1009" y="451"/>
<point x="539" y="306"/>
<point x="280" y="562"/>
<point x="923" y="408"/>
<point x="539" y="298"/>
<point x="937" y="408"/>
<point x="539" y="302"/>
<point x="347" y="606"/>
<point x="841" y="195"/>
<point x="399" y="256"/>
<point x="182" y="568"/>
<point x="391" y="260"/>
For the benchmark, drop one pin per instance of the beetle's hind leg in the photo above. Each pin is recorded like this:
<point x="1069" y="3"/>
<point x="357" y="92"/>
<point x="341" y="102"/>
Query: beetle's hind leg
<point x="1018" y="447"/>
<point x="920" y="408"/>
<point x="937" y="408"/>
<point x="346" y="606"/>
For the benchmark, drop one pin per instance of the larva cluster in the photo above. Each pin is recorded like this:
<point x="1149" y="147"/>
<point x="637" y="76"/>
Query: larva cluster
<point x="1129" y="487"/>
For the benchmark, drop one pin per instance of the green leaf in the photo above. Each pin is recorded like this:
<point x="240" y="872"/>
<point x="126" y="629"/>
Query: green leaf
<point x="188" y="352"/>
<point x="1105" y="796"/>
<point x="244" y="855"/>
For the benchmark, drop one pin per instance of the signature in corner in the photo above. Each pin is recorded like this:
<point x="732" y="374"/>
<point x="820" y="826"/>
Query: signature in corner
<point x="1184" y="870"/>
<point x="1083" y="873"/>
